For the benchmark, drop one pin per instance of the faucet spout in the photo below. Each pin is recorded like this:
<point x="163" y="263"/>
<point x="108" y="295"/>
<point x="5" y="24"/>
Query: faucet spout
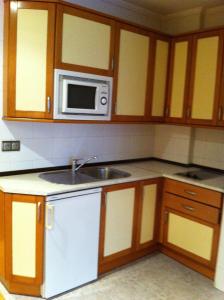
<point x="75" y="168"/>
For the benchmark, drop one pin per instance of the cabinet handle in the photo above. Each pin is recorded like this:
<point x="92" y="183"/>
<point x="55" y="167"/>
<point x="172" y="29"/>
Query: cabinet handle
<point x="167" y="111"/>
<point x="220" y="113"/>
<point x="38" y="212"/>
<point x="50" y="217"/>
<point x="112" y="63"/>
<point x="188" y="112"/>
<point x="187" y="207"/>
<point x="190" y="192"/>
<point x="48" y="104"/>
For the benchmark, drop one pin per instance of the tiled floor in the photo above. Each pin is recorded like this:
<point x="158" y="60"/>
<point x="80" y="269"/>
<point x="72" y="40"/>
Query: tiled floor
<point x="154" y="278"/>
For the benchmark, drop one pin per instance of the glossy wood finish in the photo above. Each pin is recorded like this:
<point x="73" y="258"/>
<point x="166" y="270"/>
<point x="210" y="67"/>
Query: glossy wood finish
<point x="193" y="192"/>
<point x="158" y="82"/>
<point x="205" y="78"/>
<point x="196" y="212"/>
<point x="136" y="249"/>
<point x="133" y="61"/>
<point x="17" y="280"/>
<point x="192" y="208"/>
<point x="178" y="88"/>
<point x="11" y="54"/>
<point x="91" y="60"/>
<point x="191" y="240"/>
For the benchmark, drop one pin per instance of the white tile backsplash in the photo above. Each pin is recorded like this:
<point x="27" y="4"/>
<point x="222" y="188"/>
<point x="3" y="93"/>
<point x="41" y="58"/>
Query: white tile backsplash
<point x="173" y="143"/>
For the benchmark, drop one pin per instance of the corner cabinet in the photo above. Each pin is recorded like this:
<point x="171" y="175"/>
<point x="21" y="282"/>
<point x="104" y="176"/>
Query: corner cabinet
<point x="133" y="54"/>
<point x="191" y="227"/>
<point x="24" y="229"/>
<point x="158" y="81"/>
<point x="28" y="61"/>
<point x="84" y="41"/>
<point x="129" y="216"/>
<point x="178" y="87"/>
<point x="205" y="77"/>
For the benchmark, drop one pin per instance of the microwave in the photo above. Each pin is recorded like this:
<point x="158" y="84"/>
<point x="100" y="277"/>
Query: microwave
<point x="82" y="96"/>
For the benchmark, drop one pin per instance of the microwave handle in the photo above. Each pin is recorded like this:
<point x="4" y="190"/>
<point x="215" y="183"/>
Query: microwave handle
<point x="48" y="104"/>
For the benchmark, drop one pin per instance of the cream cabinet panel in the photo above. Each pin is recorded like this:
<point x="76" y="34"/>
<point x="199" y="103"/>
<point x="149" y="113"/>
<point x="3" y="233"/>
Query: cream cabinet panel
<point x="119" y="220"/>
<point x="24" y="239"/>
<point x="85" y="42"/>
<point x="148" y="213"/>
<point x="132" y="73"/>
<point x="190" y="236"/>
<point x="178" y="79"/>
<point x="31" y="60"/>
<point x="160" y="77"/>
<point x="205" y="78"/>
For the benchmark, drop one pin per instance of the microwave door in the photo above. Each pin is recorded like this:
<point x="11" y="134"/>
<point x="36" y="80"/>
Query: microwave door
<point x="79" y="97"/>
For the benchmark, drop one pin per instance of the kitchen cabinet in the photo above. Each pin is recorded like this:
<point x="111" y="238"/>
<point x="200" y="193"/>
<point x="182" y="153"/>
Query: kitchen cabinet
<point x="191" y="227"/>
<point x="24" y="227"/>
<point x="28" y="61"/>
<point x="133" y="55"/>
<point x="85" y="41"/>
<point x="205" y="77"/>
<point x="158" y="82"/>
<point x="180" y="62"/>
<point x="128" y="222"/>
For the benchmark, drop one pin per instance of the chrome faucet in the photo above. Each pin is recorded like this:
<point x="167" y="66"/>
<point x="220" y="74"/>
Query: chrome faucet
<point x="76" y="167"/>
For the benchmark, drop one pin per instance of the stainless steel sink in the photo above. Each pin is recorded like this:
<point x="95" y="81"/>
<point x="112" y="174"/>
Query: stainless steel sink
<point x="103" y="173"/>
<point x="85" y="175"/>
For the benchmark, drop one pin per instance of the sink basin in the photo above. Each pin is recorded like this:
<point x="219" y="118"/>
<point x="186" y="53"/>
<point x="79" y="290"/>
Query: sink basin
<point x="103" y="173"/>
<point x="85" y="175"/>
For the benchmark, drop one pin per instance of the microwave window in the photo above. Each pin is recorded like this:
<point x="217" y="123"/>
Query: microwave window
<point x="81" y="97"/>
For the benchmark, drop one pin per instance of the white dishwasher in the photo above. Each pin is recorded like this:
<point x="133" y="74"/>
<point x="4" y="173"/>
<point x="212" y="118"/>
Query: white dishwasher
<point x="71" y="240"/>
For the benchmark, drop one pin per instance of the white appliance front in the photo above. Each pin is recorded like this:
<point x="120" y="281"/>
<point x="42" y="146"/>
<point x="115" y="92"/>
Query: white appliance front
<point x="71" y="241"/>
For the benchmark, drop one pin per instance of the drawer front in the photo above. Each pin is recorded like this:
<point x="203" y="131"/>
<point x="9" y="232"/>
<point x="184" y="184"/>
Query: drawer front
<point x="193" y="192"/>
<point x="192" y="208"/>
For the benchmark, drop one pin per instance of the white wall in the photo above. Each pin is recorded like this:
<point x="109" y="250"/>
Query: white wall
<point x="44" y="145"/>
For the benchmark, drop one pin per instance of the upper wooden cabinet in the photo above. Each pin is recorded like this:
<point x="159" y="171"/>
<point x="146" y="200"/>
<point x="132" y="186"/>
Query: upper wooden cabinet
<point x="180" y="61"/>
<point x="28" y="62"/>
<point x="205" y="77"/>
<point x="132" y="67"/>
<point x="85" y="41"/>
<point x="158" y="80"/>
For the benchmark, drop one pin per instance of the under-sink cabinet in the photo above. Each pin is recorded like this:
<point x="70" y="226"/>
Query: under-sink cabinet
<point x="190" y="227"/>
<point x="129" y="222"/>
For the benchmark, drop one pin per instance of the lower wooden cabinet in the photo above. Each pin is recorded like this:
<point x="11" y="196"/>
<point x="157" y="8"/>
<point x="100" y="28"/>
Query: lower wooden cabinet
<point x="128" y="218"/>
<point x="24" y="243"/>
<point x="190" y="231"/>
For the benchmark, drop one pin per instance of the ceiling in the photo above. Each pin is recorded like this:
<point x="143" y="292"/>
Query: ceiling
<point x="173" y="6"/>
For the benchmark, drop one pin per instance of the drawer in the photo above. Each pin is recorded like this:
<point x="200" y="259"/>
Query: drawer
<point x="193" y="192"/>
<point x="192" y="208"/>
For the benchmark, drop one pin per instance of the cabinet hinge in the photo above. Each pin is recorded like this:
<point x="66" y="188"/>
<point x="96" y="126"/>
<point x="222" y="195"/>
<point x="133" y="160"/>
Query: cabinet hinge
<point x="166" y="215"/>
<point x="112" y="63"/>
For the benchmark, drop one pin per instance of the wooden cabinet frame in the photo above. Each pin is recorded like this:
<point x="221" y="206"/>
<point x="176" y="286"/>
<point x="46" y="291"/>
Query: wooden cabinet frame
<point x="61" y="9"/>
<point x="136" y="250"/>
<point x="151" y="79"/>
<point x="151" y="53"/>
<point x="213" y="121"/>
<point x="215" y="227"/>
<point x="20" y="284"/>
<point x="183" y="119"/>
<point x="10" y="42"/>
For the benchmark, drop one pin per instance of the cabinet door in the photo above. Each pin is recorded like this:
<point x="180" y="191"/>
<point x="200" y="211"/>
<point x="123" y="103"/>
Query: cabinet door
<point x="178" y="88"/>
<point x="148" y="214"/>
<point x="85" y="41"/>
<point x="24" y="217"/>
<point x="131" y="73"/>
<point x="159" y="80"/>
<point x="191" y="237"/>
<point x="30" y="67"/>
<point x="205" y="78"/>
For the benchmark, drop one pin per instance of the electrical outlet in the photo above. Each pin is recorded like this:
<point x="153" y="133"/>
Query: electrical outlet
<point x="10" y="146"/>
